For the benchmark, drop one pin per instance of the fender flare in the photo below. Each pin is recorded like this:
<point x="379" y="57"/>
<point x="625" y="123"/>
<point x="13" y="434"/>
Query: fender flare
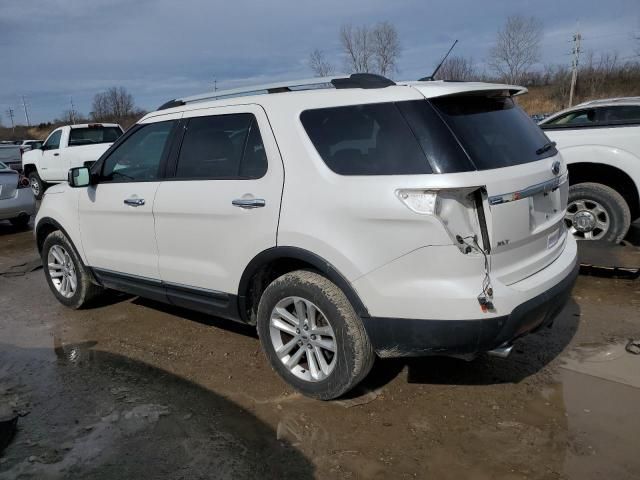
<point x="295" y="253"/>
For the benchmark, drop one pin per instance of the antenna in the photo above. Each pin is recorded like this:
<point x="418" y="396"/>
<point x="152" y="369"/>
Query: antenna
<point x="433" y="75"/>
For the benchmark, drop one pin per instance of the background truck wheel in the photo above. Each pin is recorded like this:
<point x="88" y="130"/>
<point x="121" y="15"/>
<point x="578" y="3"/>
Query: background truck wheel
<point x="312" y="335"/>
<point x="597" y="212"/>
<point x="37" y="185"/>
<point x="67" y="277"/>
<point x="21" y="221"/>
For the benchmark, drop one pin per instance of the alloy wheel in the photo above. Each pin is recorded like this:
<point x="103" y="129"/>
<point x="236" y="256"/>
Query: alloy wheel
<point x="303" y="339"/>
<point x="62" y="271"/>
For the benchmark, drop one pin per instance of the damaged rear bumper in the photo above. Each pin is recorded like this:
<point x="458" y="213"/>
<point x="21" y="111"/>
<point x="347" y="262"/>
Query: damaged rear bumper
<point x="404" y="337"/>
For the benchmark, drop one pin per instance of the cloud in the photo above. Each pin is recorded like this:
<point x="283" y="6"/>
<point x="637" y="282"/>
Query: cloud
<point x="161" y="49"/>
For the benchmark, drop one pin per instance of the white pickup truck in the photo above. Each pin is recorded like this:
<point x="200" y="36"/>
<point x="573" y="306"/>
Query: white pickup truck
<point x="600" y="141"/>
<point x="67" y="147"/>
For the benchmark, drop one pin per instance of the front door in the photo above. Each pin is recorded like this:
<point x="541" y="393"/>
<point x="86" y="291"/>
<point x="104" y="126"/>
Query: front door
<point x="51" y="165"/>
<point x="116" y="215"/>
<point x="222" y="206"/>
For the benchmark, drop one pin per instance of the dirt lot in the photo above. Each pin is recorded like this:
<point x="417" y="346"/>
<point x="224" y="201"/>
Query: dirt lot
<point x="135" y="389"/>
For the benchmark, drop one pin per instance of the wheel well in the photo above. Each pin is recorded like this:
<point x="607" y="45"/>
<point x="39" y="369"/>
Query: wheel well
<point x="611" y="177"/>
<point x="28" y="169"/>
<point x="261" y="279"/>
<point x="277" y="261"/>
<point x="42" y="232"/>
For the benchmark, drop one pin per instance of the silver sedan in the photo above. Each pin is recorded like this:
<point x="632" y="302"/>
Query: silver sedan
<point x="17" y="203"/>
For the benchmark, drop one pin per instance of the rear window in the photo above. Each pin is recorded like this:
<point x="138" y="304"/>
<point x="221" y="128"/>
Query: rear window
<point x="92" y="135"/>
<point x="494" y="131"/>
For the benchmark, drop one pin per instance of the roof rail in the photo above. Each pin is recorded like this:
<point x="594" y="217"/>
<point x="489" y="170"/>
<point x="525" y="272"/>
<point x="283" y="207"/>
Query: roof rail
<point x="355" y="80"/>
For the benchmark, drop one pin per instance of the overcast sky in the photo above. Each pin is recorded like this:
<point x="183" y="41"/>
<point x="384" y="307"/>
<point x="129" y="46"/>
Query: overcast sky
<point x="51" y="50"/>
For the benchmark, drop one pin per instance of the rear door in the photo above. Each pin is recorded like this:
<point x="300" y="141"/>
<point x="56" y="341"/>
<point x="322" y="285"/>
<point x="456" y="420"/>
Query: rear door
<point x="116" y="215"/>
<point x="222" y="205"/>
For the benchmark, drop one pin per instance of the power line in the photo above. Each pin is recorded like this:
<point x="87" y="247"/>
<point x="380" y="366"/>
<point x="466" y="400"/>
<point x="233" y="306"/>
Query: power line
<point x="574" y="64"/>
<point x="26" y="111"/>
<point x="11" y="113"/>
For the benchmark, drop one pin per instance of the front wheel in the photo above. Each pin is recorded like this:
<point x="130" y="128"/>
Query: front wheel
<point x="312" y="335"/>
<point x="68" y="278"/>
<point x="21" y="221"/>
<point x="37" y="185"/>
<point x="597" y="212"/>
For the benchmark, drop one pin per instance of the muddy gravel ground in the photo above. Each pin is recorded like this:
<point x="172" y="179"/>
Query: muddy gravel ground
<point x="135" y="389"/>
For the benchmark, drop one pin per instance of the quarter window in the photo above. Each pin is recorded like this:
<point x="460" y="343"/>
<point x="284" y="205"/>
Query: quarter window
<point x="139" y="156"/>
<point x="222" y="147"/>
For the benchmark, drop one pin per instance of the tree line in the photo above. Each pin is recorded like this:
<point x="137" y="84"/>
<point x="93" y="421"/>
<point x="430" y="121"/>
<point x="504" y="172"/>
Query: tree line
<point x="514" y="58"/>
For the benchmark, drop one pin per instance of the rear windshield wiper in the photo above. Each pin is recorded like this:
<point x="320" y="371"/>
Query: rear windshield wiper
<point x="545" y="148"/>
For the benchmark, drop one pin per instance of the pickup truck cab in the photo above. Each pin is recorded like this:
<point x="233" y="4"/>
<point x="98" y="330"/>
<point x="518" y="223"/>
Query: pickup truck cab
<point x="67" y="147"/>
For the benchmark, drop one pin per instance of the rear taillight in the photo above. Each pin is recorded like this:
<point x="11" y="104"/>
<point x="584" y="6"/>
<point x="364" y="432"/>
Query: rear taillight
<point x="23" y="182"/>
<point x="455" y="208"/>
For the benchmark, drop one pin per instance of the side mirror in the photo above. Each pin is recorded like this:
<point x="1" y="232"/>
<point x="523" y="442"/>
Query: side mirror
<point x="79" y="177"/>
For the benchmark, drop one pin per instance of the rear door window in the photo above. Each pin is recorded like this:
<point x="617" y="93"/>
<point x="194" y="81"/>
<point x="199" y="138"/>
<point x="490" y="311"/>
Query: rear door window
<point x="494" y="131"/>
<point x="222" y="147"/>
<point x="620" y="114"/>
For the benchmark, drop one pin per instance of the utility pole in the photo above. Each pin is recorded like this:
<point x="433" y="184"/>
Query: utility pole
<point x="11" y="113"/>
<point x="73" y="111"/>
<point x="26" y="111"/>
<point x="577" y="37"/>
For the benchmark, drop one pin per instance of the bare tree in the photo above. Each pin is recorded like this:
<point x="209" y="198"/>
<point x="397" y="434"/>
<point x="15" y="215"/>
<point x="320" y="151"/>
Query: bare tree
<point x="386" y="48"/>
<point x="357" y="45"/>
<point x="319" y="64"/>
<point x="457" y="68"/>
<point x="517" y="48"/>
<point x="115" y="104"/>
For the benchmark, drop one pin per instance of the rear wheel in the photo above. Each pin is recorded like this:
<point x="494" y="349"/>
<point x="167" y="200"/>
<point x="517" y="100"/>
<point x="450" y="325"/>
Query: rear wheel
<point x="68" y="278"/>
<point x="312" y="336"/>
<point x="37" y="185"/>
<point x="597" y="212"/>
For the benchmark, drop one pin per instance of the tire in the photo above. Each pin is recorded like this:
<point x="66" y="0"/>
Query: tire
<point x="600" y="204"/>
<point x="20" y="222"/>
<point x="37" y="185"/>
<point x="57" y="248"/>
<point x="353" y="355"/>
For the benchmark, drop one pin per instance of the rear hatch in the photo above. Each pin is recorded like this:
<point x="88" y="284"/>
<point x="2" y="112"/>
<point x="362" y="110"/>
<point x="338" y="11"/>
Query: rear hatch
<point x="522" y="179"/>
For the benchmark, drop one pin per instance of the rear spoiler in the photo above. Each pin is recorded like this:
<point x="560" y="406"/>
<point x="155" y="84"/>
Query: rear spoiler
<point x="441" y="88"/>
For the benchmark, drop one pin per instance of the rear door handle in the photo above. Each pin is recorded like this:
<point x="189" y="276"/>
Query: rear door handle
<point x="248" y="202"/>
<point x="134" y="202"/>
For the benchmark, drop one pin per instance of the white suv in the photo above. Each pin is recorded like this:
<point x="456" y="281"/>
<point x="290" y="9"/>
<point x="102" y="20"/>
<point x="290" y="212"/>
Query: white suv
<point x="344" y="217"/>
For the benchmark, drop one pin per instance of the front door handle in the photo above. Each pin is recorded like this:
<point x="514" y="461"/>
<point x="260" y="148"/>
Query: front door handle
<point x="56" y="154"/>
<point x="248" y="202"/>
<point x="134" y="202"/>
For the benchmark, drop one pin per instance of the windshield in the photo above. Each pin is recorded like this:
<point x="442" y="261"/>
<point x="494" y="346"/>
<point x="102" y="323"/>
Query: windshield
<point x="494" y="131"/>
<point x="93" y="135"/>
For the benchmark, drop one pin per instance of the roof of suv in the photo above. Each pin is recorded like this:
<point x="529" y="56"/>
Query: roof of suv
<point x="321" y="91"/>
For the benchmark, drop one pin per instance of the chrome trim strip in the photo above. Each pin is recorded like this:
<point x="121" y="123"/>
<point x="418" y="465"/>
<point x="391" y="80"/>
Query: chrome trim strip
<point x="548" y="186"/>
